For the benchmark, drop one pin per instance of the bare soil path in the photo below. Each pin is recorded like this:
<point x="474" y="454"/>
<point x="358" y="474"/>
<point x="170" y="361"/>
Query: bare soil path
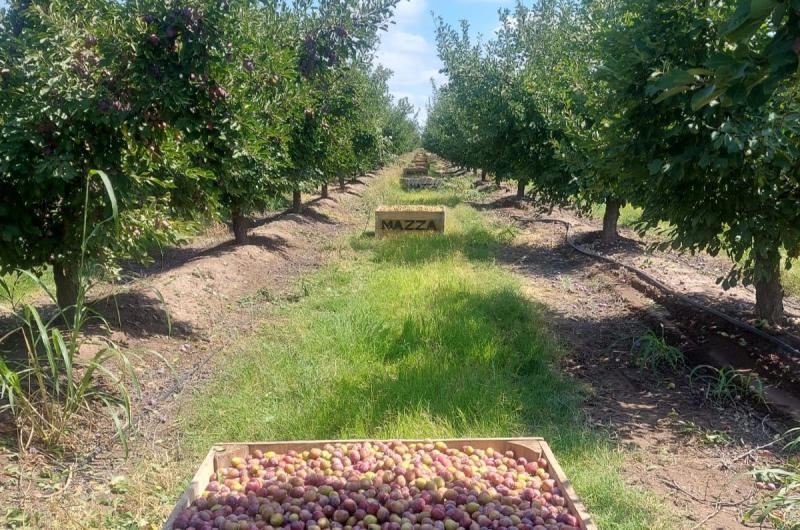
<point x="692" y="452"/>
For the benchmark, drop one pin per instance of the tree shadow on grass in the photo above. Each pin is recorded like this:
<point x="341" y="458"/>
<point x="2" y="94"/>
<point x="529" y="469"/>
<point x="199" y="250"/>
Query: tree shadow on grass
<point x="309" y="214"/>
<point x="542" y="260"/>
<point x="473" y="363"/>
<point x="140" y="314"/>
<point x="173" y="257"/>
<point x="507" y="201"/>
<point x="475" y="243"/>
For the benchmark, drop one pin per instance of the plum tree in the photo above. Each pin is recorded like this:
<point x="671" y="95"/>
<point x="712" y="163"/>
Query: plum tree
<point x="765" y="38"/>
<point x="67" y="107"/>
<point x="332" y="35"/>
<point x="722" y="164"/>
<point x="481" y="117"/>
<point x="400" y="127"/>
<point x="687" y="109"/>
<point x="222" y="75"/>
<point x="573" y="95"/>
<point x="192" y="108"/>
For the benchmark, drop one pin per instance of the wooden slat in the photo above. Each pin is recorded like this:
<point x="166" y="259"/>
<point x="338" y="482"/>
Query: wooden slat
<point x="574" y="503"/>
<point x="198" y="485"/>
<point x="409" y="219"/>
<point x="531" y="448"/>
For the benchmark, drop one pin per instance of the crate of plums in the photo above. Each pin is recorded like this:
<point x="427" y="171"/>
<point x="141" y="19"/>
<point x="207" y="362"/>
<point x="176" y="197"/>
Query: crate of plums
<point x="467" y="484"/>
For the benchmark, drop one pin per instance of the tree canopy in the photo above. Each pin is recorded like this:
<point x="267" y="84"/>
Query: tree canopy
<point x="686" y="109"/>
<point x="193" y="108"/>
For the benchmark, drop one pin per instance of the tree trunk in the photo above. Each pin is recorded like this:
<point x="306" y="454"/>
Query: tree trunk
<point x="297" y="201"/>
<point x="325" y="191"/>
<point x="520" y="189"/>
<point x="498" y="180"/>
<point x="66" y="280"/>
<point x="610" y="220"/>
<point x="341" y="182"/>
<point x="474" y="171"/>
<point x="483" y="175"/>
<point x="240" y="225"/>
<point x="769" y="291"/>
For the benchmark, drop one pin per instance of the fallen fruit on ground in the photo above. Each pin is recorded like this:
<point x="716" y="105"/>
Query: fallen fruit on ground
<point x="381" y="486"/>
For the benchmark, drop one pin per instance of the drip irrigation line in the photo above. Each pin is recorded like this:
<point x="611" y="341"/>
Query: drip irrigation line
<point x="668" y="290"/>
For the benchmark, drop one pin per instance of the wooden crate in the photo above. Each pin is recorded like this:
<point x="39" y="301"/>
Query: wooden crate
<point x="531" y="448"/>
<point x="420" y="183"/>
<point x="415" y="171"/>
<point x="409" y="219"/>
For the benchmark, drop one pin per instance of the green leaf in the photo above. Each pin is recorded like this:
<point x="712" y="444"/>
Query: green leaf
<point x="674" y="78"/>
<point x="109" y="190"/>
<point x="655" y="166"/>
<point x="749" y="16"/>
<point x="779" y="13"/>
<point x="671" y="92"/>
<point x="704" y="96"/>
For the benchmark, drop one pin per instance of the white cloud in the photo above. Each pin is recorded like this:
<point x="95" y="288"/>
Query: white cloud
<point x="511" y="23"/>
<point x="409" y="11"/>
<point x="409" y="55"/>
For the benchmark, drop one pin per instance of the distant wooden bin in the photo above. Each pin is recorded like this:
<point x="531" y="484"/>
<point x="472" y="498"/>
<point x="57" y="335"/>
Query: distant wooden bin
<point x="409" y="219"/>
<point x="419" y="183"/>
<point x="415" y="171"/>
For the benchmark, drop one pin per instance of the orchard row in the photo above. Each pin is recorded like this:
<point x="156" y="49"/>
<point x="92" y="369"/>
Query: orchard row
<point x="689" y="110"/>
<point x="190" y="109"/>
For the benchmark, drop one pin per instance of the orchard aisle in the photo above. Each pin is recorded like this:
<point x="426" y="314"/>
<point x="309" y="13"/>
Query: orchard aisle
<point x="319" y="331"/>
<point x="403" y="337"/>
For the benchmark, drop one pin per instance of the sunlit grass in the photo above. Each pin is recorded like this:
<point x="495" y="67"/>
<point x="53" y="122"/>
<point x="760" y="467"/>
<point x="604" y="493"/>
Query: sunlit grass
<point x="628" y="214"/>
<point x="791" y="280"/>
<point x="24" y="288"/>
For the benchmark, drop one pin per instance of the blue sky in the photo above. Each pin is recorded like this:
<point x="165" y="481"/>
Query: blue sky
<point x="409" y="47"/>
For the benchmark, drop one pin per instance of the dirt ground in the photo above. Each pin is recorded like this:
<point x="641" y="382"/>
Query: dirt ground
<point x="694" y="453"/>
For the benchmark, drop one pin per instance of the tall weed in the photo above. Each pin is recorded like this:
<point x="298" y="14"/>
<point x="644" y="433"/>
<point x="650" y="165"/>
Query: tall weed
<point x="54" y="374"/>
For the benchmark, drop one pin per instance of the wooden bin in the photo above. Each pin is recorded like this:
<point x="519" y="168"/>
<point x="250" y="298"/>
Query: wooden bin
<point x="531" y="448"/>
<point x="409" y="219"/>
<point x="419" y="183"/>
<point x="415" y="171"/>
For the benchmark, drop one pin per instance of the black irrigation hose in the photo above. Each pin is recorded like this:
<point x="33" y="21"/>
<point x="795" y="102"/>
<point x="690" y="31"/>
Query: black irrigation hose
<point x="666" y="289"/>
